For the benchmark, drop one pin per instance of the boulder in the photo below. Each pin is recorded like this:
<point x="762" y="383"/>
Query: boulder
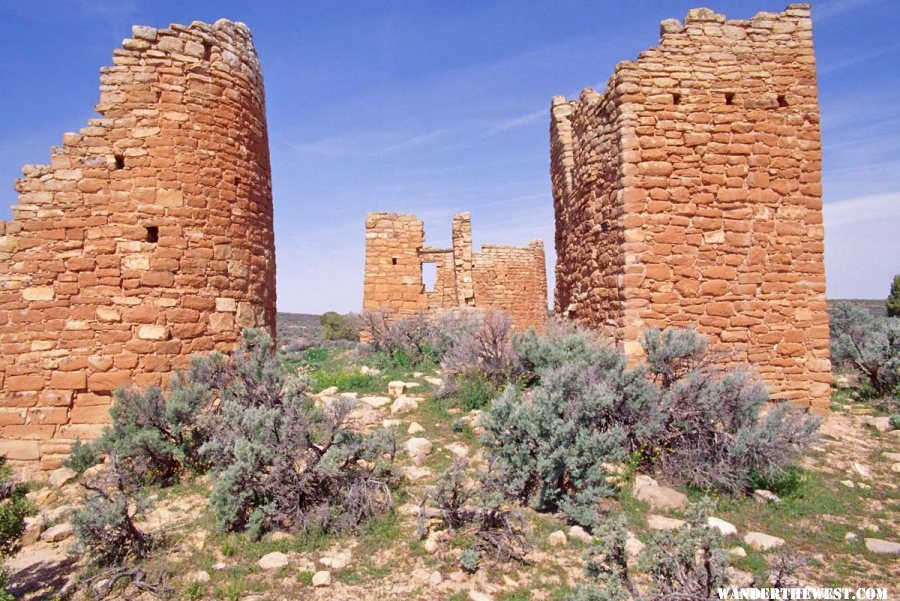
<point x="884" y="547"/>
<point x="32" y="533"/>
<point x="376" y="402"/>
<point x="415" y="428"/>
<point x="273" y="561"/>
<point x="726" y="528"/>
<point x="396" y="387"/>
<point x="737" y="552"/>
<point x="558" y="539"/>
<point x="419" y="446"/>
<point x="648" y="490"/>
<point x="579" y="533"/>
<point x="761" y="495"/>
<point x="633" y="546"/>
<point x="57" y="533"/>
<point x="321" y="579"/>
<point x="882" y="424"/>
<point x="330" y="391"/>
<point x="762" y="542"/>
<point x="336" y="561"/>
<point x="660" y="522"/>
<point x="60" y="476"/>
<point x="404" y="404"/>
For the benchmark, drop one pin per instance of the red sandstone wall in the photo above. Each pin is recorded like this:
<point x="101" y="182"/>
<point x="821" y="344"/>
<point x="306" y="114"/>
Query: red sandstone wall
<point x="514" y="280"/>
<point x="717" y="193"/>
<point x="507" y="278"/>
<point x="91" y="299"/>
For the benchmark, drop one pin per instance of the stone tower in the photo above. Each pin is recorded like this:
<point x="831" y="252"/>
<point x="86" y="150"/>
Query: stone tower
<point x="689" y="194"/>
<point x="147" y="239"/>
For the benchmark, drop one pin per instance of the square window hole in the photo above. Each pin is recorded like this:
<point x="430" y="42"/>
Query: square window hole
<point x="676" y="98"/>
<point x="782" y="101"/>
<point x="393" y="260"/>
<point x="153" y="234"/>
<point x="729" y="98"/>
<point x="120" y="161"/>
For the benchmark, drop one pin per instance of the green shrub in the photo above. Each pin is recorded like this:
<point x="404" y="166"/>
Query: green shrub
<point x="871" y="345"/>
<point x="474" y="390"/>
<point x="81" y="457"/>
<point x="468" y="560"/>
<point x="14" y="506"/>
<point x="895" y="421"/>
<point x="893" y="300"/>
<point x="698" y="423"/>
<point x="280" y="462"/>
<point x="339" y="327"/>
<point x="687" y="563"/>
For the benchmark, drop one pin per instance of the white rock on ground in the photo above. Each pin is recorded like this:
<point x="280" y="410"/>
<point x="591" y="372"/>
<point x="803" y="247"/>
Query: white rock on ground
<point x="435" y="381"/>
<point x="762" y="542"/>
<point x="739" y="578"/>
<point x="648" y="490"/>
<point x="458" y="449"/>
<point x="476" y="596"/>
<point x="558" y="539"/>
<point x="32" y="533"/>
<point x="661" y="522"/>
<point x="336" y="561"/>
<point x="737" y="552"/>
<point x="60" y="476"/>
<point x="850" y="536"/>
<point x="404" y="404"/>
<point x="396" y="387"/>
<point x="273" y="561"/>
<point x="322" y="578"/>
<point x="886" y="547"/>
<point x="390" y="423"/>
<point x="892" y="456"/>
<point x="415" y="428"/>
<point x="633" y="546"/>
<point x="579" y="533"/>
<point x="726" y="528"/>
<point x="376" y="402"/>
<point x="330" y="391"/>
<point x="54" y="534"/>
<point x="761" y="495"/>
<point x="435" y="578"/>
<point x="415" y="472"/>
<point x="882" y="424"/>
<point x="411" y="385"/>
<point x="419" y="446"/>
<point x="862" y="470"/>
<point x="199" y="577"/>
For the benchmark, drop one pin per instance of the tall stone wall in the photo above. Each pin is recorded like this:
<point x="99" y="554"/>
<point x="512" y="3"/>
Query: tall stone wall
<point x="147" y="239"/>
<point x="689" y="194"/>
<point x="506" y="278"/>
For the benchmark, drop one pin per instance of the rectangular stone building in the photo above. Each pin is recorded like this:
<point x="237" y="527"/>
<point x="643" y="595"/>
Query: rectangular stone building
<point x="507" y="278"/>
<point x="689" y="194"/>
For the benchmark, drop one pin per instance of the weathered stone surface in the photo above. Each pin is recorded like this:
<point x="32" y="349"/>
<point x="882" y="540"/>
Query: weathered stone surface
<point x="403" y="405"/>
<point x="57" y="533"/>
<point x="726" y="528"/>
<point x="762" y="542"/>
<point x="677" y="204"/>
<point x="579" y="533"/>
<point x="415" y="428"/>
<point x="60" y="476"/>
<point x="558" y="539"/>
<point x="648" y="490"/>
<point x="419" y="446"/>
<point x="876" y="545"/>
<point x="375" y="402"/>
<point x="661" y="522"/>
<point x="273" y="561"/>
<point x="321" y="579"/>
<point x="507" y="278"/>
<point x="146" y="239"/>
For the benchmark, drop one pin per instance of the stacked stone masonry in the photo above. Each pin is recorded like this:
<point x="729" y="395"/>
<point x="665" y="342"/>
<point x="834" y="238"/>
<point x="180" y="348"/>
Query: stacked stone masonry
<point x="147" y="239"/>
<point x="689" y="194"/>
<point x="505" y="278"/>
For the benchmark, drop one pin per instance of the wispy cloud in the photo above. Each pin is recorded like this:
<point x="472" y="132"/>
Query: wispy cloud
<point x="876" y="208"/>
<point x="832" y="8"/>
<point x="857" y="59"/>
<point x="368" y="143"/>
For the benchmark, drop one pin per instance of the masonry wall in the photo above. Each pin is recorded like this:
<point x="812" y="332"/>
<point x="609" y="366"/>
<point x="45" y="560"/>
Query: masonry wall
<point x="507" y="278"/>
<point x="711" y="195"/>
<point x="146" y="239"/>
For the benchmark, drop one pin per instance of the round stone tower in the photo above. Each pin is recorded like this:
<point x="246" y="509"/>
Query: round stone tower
<point x="146" y="240"/>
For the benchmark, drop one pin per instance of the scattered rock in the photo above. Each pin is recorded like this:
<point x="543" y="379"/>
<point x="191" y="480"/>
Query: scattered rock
<point x="848" y="483"/>
<point x="330" y="391"/>
<point x="762" y="542"/>
<point x="892" y="456"/>
<point x="419" y="446"/>
<point x="886" y="547"/>
<point x="273" y="561"/>
<point x="737" y="552"/>
<point x="54" y="534"/>
<point x="322" y="578"/>
<point x="438" y="382"/>
<point x="761" y="495"/>
<point x="94" y="471"/>
<point x="431" y="545"/>
<point x="390" y="423"/>
<point x="219" y="565"/>
<point x="476" y="596"/>
<point x="375" y="402"/>
<point x="396" y="387"/>
<point x="558" y="539"/>
<point x="660" y="522"/>
<point x="882" y="424"/>
<point x="862" y="470"/>
<point x="404" y="404"/>
<point x="32" y="533"/>
<point x="648" y="490"/>
<point x="850" y="536"/>
<point x="409" y="385"/>
<point x="336" y="561"/>
<point x="435" y="578"/>
<point x="60" y="476"/>
<point x="372" y="371"/>
<point x="633" y="546"/>
<point x="579" y="533"/>
<point x="739" y="578"/>
<point x="349" y="396"/>
<point x="458" y="449"/>
<point x="415" y="472"/>
<point x="415" y="428"/>
<point x="43" y="497"/>
<point x="418" y="374"/>
<point x="726" y="528"/>
<point x="199" y="576"/>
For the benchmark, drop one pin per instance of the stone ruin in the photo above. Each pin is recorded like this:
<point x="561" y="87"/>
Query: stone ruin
<point x="148" y="238"/>
<point x="689" y="194"/>
<point x="512" y="279"/>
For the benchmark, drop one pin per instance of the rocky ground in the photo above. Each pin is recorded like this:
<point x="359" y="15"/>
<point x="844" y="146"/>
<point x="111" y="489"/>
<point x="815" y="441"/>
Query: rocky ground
<point x="840" y="521"/>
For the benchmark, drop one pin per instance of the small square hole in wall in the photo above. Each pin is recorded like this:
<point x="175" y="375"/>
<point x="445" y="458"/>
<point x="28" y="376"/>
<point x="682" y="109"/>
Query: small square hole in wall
<point x="393" y="260"/>
<point x="782" y="101"/>
<point x="120" y="161"/>
<point x="207" y="51"/>
<point x="676" y="98"/>
<point x="153" y="234"/>
<point x="729" y="97"/>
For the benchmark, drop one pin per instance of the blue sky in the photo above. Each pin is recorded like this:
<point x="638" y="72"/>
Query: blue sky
<point x="439" y="107"/>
